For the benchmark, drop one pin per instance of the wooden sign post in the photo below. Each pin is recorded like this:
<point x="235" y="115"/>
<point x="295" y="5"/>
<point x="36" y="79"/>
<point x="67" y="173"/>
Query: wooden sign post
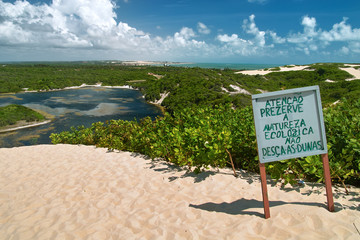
<point x="289" y="124"/>
<point x="329" y="194"/>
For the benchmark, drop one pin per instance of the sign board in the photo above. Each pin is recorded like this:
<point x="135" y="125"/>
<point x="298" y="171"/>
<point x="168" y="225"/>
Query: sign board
<point x="289" y="124"/>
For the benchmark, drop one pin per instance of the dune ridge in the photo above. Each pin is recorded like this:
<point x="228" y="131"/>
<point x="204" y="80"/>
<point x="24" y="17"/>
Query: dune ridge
<point x="83" y="192"/>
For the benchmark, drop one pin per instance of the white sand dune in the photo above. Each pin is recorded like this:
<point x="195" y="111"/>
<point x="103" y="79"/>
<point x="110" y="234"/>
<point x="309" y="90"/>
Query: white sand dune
<point x="350" y="69"/>
<point x="353" y="71"/>
<point x="83" y="192"/>
<point x="264" y="72"/>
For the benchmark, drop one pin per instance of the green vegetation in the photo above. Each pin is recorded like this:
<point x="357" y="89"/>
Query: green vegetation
<point x="204" y="125"/>
<point x="14" y="77"/>
<point x="11" y="114"/>
<point x="187" y="86"/>
<point x="202" y="137"/>
<point x="193" y="137"/>
<point x="275" y="69"/>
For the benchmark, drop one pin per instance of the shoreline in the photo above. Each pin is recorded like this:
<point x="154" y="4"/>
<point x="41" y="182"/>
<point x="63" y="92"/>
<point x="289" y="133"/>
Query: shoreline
<point x="30" y="125"/>
<point x="78" y="87"/>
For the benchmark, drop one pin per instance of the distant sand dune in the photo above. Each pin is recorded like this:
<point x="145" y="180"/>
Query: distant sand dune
<point x="264" y="72"/>
<point x="350" y="69"/>
<point x="353" y="71"/>
<point x="83" y="192"/>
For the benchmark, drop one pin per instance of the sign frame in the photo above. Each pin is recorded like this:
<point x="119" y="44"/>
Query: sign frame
<point x="312" y="97"/>
<point x="321" y="134"/>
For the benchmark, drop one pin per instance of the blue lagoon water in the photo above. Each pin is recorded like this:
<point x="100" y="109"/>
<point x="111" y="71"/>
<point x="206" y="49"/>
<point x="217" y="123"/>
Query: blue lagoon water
<point x="73" y="108"/>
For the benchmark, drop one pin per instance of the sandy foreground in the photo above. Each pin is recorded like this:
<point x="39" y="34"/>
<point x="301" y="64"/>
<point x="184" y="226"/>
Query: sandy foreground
<point x="83" y="192"/>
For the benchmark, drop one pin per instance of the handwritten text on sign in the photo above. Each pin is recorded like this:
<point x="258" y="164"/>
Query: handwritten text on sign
<point x="289" y="124"/>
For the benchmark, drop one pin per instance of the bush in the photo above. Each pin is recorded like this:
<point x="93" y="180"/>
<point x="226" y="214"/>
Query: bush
<point x="196" y="137"/>
<point x="202" y="137"/>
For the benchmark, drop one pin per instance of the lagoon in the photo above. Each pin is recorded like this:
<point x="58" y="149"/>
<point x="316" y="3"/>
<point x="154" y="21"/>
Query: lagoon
<point x="75" y="107"/>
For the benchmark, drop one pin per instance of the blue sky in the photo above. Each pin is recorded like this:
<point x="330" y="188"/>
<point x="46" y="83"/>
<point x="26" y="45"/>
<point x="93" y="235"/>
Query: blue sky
<point x="233" y="31"/>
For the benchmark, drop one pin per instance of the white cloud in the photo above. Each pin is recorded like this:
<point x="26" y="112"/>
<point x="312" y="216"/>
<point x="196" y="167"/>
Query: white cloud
<point x="313" y="47"/>
<point x="67" y="23"/>
<point x="229" y="39"/>
<point x="88" y="24"/>
<point x="309" y="24"/>
<point x="345" y="50"/>
<point x="202" y="28"/>
<point x="182" y="38"/>
<point x="87" y="27"/>
<point x="355" y="46"/>
<point x="306" y="50"/>
<point x="315" y="40"/>
<point x="341" y="32"/>
<point x="250" y="27"/>
<point x="12" y="34"/>
<point x="235" y="45"/>
<point x="276" y="38"/>
<point x="309" y="31"/>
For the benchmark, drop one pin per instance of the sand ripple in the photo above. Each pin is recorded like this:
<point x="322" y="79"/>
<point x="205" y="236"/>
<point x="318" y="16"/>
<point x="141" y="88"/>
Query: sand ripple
<point x="80" y="192"/>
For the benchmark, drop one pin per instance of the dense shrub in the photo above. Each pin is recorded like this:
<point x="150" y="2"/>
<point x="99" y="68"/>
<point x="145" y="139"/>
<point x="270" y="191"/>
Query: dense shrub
<point x="197" y="137"/>
<point x="202" y="137"/>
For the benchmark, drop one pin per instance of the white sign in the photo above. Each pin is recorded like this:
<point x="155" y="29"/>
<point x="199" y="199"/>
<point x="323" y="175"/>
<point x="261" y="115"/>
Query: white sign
<point x="289" y="124"/>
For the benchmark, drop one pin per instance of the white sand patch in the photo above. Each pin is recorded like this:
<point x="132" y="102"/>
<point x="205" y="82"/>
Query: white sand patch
<point x="162" y="98"/>
<point x="81" y="86"/>
<point x="352" y="71"/>
<point x="237" y="90"/>
<point x="264" y="72"/>
<point x="262" y="91"/>
<point x="352" y="65"/>
<point x="120" y="87"/>
<point x="336" y="102"/>
<point x="83" y="192"/>
<point x="329" y="81"/>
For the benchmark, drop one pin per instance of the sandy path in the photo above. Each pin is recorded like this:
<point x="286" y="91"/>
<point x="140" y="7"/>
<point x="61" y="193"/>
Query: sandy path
<point x="80" y="192"/>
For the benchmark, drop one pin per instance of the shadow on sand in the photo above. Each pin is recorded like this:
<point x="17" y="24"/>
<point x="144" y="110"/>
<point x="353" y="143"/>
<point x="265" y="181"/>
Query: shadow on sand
<point x="241" y="206"/>
<point x="244" y="206"/>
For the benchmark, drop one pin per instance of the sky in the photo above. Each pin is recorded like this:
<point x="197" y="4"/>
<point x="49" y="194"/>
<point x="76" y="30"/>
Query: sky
<point x="226" y="31"/>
